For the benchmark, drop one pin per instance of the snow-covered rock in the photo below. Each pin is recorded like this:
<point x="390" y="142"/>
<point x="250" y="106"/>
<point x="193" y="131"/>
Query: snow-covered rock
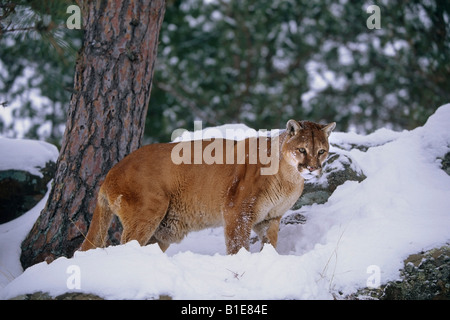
<point x="338" y="169"/>
<point x="26" y="166"/>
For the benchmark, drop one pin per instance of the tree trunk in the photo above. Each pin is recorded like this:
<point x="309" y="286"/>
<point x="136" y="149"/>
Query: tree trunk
<point x="105" y="120"/>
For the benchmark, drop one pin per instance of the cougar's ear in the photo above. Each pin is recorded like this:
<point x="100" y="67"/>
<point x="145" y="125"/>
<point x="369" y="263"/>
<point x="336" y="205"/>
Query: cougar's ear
<point x="328" y="128"/>
<point x="293" y="127"/>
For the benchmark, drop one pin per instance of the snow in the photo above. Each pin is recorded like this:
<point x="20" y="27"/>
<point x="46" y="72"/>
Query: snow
<point x="359" y="237"/>
<point x="11" y="236"/>
<point x="26" y="155"/>
<point x="229" y="131"/>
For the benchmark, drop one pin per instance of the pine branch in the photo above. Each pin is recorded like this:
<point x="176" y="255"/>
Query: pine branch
<point x="33" y="28"/>
<point x="7" y="9"/>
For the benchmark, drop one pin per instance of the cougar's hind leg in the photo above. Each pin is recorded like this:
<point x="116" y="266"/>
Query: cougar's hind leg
<point x="98" y="229"/>
<point x="162" y="245"/>
<point x="140" y="223"/>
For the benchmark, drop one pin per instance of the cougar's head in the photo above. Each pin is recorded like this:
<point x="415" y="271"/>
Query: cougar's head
<point x="306" y="146"/>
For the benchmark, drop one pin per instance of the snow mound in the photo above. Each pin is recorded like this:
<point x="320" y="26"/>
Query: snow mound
<point x="26" y="155"/>
<point x="358" y="238"/>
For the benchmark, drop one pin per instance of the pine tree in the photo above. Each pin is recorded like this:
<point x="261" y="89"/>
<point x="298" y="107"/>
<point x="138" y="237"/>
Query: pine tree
<point x="105" y="120"/>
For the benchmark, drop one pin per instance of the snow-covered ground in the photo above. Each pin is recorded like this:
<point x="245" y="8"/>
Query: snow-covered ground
<point x="358" y="238"/>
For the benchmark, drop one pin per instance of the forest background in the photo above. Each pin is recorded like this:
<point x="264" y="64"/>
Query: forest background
<point x="257" y="62"/>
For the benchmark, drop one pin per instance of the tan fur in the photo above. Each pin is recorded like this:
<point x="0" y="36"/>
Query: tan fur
<point x="159" y="201"/>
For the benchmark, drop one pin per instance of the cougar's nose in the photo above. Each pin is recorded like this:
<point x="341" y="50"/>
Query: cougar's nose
<point x="311" y="169"/>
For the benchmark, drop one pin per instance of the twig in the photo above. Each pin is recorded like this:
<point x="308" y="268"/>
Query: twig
<point x="84" y="236"/>
<point x="8" y="275"/>
<point x="334" y="253"/>
<point x="236" y="275"/>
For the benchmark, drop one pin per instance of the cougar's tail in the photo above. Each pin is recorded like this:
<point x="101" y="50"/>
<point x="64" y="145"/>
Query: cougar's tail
<point x="98" y="230"/>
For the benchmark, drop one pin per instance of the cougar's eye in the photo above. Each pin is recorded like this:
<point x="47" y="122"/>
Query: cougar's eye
<point x="302" y="150"/>
<point x="321" y="151"/>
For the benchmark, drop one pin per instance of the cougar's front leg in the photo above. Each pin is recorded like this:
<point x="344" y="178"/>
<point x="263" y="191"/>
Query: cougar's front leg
<point x="238" y="226"/>
<point x="267" y="231"/>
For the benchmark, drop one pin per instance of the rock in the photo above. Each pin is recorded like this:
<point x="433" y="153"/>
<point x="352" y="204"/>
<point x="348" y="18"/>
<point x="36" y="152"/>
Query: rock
<point x="26" y="167"/>
<point x="294" y="218"/>
<point x="69" y="296"/>
<point x="425" y="276"/>
<point x="337" y="169"/>
<point x="78" y="296"/>
<point x="445" y="163"/>
<point x="21" y="190"/>
<point x="66" y="296"/>
<point x="340" y="166"/>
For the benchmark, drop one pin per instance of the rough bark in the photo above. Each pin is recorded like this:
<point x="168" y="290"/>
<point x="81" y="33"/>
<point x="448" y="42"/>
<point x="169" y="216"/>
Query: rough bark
<point x="105" y="120"/>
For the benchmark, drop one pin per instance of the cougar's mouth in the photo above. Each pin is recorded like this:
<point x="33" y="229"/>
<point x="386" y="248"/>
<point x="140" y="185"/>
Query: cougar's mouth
<point x="307" y="174"/>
